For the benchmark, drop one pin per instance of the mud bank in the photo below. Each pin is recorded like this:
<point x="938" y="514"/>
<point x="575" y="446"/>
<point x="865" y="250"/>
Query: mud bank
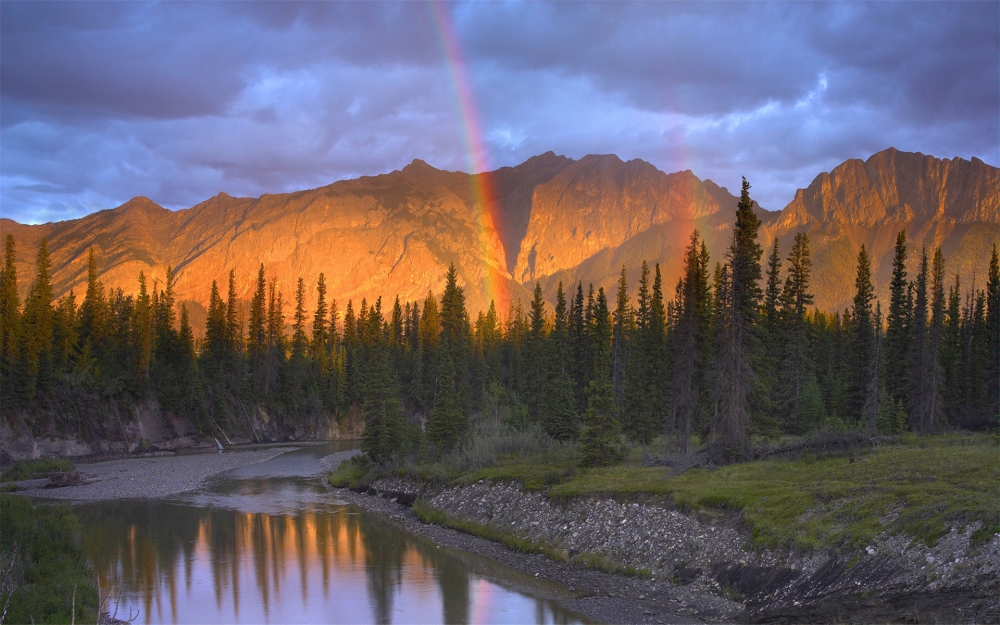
<point x="700" y="567"/>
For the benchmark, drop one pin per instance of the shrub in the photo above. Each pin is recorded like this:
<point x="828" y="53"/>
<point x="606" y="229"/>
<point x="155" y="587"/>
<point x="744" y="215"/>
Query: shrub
<point x="43" y="565"/>
<point x="28" y="469"/>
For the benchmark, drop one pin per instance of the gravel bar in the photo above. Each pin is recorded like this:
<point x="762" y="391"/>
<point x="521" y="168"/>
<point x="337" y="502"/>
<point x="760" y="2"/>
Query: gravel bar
<point x="149" y="478"/>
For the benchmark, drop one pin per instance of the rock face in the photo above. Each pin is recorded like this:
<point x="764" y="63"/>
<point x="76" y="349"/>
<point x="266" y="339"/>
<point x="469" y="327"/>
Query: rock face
<point x="549" y="219"/>
<point x="949" y="203"/>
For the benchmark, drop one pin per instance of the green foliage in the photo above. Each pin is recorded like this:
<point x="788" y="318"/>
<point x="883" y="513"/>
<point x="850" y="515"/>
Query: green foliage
<point x="28" y="469"/>
<point x="40" y="546"/>
<point x="351" y="473"/>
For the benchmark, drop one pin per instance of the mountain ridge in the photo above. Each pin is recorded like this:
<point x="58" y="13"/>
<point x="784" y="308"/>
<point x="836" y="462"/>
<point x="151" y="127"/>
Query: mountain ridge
<point x="550" y="218"/>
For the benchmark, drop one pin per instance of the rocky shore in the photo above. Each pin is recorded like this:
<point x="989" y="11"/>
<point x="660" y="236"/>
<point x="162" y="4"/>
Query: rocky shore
<point x="699" y="565"/>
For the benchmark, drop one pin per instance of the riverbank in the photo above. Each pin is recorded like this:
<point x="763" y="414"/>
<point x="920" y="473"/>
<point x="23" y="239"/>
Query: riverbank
<point x="148" y="478"/>
<point x="720" y="563"/>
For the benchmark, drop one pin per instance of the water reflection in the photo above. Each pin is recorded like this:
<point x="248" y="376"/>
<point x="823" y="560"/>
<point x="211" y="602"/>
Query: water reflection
<point x="323" y="562"/>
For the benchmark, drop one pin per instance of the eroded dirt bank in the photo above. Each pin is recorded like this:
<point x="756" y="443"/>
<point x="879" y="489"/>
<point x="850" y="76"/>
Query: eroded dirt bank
<point x="700" y="568"/>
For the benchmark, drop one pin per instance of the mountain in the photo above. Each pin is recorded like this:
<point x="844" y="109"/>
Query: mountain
<point x="548" y="219"/>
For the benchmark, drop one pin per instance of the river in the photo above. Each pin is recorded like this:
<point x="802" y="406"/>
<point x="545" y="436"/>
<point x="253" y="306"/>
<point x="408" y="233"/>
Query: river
<point x="268" y="543"/>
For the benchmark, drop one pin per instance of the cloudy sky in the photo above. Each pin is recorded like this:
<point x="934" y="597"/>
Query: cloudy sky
<point x="178" y="101"/>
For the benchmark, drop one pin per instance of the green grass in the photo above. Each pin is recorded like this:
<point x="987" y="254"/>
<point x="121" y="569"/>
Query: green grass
<point x="27" y="469"/>
<point x="50" y="575"/>
<point x="351" y="473"/>
<point x="920" y="488"/>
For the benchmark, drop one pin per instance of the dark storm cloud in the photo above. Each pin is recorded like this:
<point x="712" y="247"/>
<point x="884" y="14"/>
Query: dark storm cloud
<point x="177" y="101"/>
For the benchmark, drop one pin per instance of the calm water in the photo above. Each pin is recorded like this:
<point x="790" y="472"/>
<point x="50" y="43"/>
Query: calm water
<point x="264" y="544"/>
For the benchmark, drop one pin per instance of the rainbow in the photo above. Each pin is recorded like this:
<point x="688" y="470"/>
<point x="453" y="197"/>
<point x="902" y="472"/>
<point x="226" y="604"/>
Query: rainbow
<point x="485" y="203"/>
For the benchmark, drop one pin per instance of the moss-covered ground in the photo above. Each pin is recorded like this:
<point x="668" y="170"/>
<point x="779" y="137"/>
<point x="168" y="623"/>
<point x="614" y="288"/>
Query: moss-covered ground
<point x="919" y="487"/>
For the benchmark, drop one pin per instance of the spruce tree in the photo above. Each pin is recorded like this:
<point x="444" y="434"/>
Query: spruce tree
<point x="257" y="327"/>
<point x="738" y="304"/>
<point x="600" y="442"/>
<point x="300" y="342"/>
<point x="863" y="334"/>
<point x="557" y="404"/>
<point x="897" y="334"/>
<point x="37" y="326"/>
<point x="691" y="342"/>
<point x="797" y="372"/>
<point x="919" y="353"/>
<point x="10" y="322"/>
<point x="624" y="319"/>
<point x="992" y="335"/>
<point x="533" y="352"/>
<point x="234" y="330"/>
<point x="318" y="345"/>
<point x="934" y="414"/>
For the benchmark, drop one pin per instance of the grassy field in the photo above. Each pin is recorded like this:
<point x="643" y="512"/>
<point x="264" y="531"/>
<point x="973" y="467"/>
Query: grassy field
<point x="919" y="487"/>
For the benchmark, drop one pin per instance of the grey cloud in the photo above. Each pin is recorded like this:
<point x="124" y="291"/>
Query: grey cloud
<point x="178" y="101"/>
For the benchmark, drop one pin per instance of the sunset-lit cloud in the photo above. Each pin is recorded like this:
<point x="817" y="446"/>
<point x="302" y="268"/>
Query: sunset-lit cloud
<point x="178" y="101"/>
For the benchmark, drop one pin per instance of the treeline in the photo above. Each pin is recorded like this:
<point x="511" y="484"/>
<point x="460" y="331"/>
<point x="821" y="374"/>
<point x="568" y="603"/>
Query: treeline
<point x="736" y="351"/>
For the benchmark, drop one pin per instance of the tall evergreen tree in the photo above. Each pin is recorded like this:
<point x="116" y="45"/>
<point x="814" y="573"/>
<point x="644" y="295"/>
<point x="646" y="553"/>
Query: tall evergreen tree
<point x="10" y="321"/>
<point x="534" y="352"/>
<point x="37" y="325"/>
<point x="992" y="335"/>
<point x="897" y="334"/>
<point x="863" y="334"/>
<point x="624" y="320"/>
<point x="557" y="404"/>
<point x="738" y="315"/>
<point x="919" y="352"/>
<point x="600" y="443"/>
<point x="797" y="378"/>
<point x="691" y="342"/>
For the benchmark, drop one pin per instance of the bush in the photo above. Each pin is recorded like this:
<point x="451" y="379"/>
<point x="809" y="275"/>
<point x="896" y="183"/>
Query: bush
<point x="491" y="438"/>
<point x="28" y="469"/>
<point x="43" y="565"/>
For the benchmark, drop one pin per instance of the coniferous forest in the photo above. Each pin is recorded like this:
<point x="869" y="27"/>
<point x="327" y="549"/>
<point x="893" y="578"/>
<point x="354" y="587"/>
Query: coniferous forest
<point x="731" y="353"/>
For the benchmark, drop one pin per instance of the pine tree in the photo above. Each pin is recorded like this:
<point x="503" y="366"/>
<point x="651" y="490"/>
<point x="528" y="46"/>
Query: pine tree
<point x="624" y="319"/>
<point x="934" y="414"/>
<point x="257" y="327"/>
<point x="534" y="348"/>
<point x="600" y="443"/>
<point x="863" y="334"/>
<point x="234" y="331"/>
<point x="94" y="310"/>
<point x="37" y="325"/>
<point x="992" y="335"/>
<point x="215" y="348"/>
<point x="738" y="311"/>
<point x="430" y="338"/>
<point x="381" y="408"/>
<point x="580" y="365"/>
<point x="897" y="334"/>
<point x="318" y="346"/>
<point x="448" y="419"/>
<point x="10" y="322"/>
<point x="919" y="352"/>
<point x="797" y="372"/>
<point x="691" y="342"/>
<point x="300" y="342"/>
<point x="143" y="327"/>
<point x="557" y="402"/>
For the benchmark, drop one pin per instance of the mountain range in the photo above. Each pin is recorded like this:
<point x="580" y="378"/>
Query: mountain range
<point x="548" y="219"/>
